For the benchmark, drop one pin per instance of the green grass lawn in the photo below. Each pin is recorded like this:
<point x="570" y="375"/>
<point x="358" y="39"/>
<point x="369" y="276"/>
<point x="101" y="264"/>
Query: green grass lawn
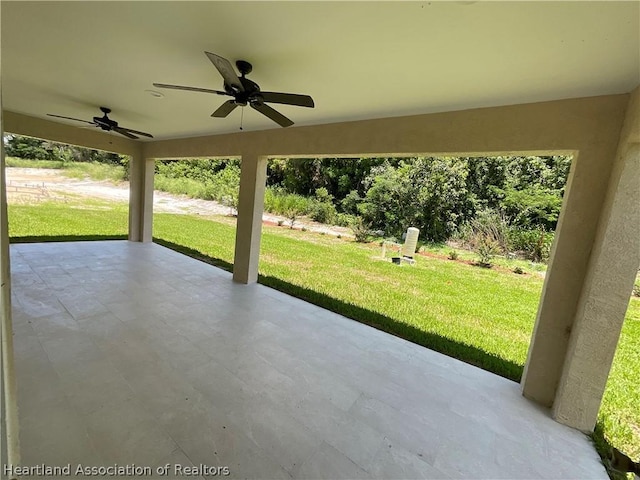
<point x="500" y="261"/>
<point x="482" y="316"/>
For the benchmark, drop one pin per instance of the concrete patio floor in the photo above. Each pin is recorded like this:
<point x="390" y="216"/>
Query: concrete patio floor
<point x="132" y="353"/>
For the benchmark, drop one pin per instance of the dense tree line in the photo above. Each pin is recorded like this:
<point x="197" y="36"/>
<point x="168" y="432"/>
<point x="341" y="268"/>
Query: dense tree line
<point x="442" y="196"/>
<point x="435" y="194"/>
<point x="35" y="149"/>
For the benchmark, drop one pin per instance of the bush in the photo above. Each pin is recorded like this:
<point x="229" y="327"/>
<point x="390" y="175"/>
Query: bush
<point x="350" y="202"/>
<point x="222" y="185"/>
<point x="453" y="255"/>
<point x="293" y="206"/>
<point x="277" y="201"/>
<point x="322" y="208"/>
<point x="204" y="170"/>
<point x="532" y="244"/>
<point x="533" y="206"/>
<point x="486" y="249"/>
<point x="361" y="230"/>
<point x="488" y="229"/>
<point x="344" y="219"/>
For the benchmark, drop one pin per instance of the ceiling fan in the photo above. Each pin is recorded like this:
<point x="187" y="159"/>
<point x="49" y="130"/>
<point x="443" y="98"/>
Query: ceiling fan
<point x="105" y="123"/>
<point x="245" y="92"/>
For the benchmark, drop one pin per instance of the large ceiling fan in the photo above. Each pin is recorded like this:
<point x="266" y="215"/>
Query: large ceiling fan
<point x="105" y="123"/>
<point x="245" y="92"/>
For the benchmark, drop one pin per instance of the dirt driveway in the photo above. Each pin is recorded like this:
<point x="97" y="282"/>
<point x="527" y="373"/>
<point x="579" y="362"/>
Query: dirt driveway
<point x="25" y="185"/>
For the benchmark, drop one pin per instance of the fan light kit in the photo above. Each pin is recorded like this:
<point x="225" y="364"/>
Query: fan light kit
<point x="105" y="123"/>
<point x="245" y="92"/>
<point x="155" y="93"/>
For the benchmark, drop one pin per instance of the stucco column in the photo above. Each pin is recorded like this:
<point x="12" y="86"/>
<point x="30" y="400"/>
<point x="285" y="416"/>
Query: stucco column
<point x="582" y="212"/>
<point x="253" y="177"/>
<point x="607" y="287"/>
<point x="9" y="401"/>
<point x="141" y="171"/>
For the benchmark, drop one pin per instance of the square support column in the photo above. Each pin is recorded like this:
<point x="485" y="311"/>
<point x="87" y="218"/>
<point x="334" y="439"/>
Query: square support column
<point x="10" y="443"/>
<point x="587" y="290"/>
<point x="606" y="292"/>
<point x="141" y="172"/>
<point x="253" y="177"/>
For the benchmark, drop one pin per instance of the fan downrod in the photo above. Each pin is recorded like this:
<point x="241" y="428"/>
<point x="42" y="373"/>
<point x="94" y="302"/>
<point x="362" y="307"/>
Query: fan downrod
<point x="244" y="67"/>
<point x="105" y="110"/>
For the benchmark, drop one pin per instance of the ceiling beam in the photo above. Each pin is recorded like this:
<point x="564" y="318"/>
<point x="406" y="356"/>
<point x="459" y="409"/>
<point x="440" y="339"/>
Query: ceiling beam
<point x="20" y="124"/>
<point x="563" y="125"/>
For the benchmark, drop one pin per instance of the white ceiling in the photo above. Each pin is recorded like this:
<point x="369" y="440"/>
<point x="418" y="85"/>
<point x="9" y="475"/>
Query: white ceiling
<point x="357" y="59"/>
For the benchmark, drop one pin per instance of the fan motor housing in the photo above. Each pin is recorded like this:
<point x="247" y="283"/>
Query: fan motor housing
<point x="105" y="123"/>
<point x="251" y="92"/>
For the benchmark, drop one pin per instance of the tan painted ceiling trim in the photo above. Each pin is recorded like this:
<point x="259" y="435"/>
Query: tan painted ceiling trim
<point x="20" y="124"/>
<point x="557" y="126"/>
<point x="563" y="125"/>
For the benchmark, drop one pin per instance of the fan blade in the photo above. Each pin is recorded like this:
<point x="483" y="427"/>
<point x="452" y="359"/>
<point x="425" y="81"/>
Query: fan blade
<point x="190" y="89"/>
<point x="124" y="132"/>
<point x="288" y="99"/>
<point x="70" y="118"/>
<point x="225" y="109"/>
<point x="136" y="132"/>
<point x="274" y="115"/>
<point x="226" y="70"/>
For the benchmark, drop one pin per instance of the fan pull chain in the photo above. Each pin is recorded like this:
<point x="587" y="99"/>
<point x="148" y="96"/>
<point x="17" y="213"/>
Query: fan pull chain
<point x="241" y="117"/>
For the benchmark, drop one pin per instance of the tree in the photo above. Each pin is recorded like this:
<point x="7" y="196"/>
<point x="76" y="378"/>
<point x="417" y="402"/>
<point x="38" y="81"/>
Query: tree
<point x="36" y="149"/>
<point x="428" y="193"/>
<point x="532" y="207"/>
<point x="28" y="147"/>
<point x="227" y="182"/>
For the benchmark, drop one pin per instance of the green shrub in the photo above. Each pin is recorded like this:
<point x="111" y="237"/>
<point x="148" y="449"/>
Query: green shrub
<point x="532" y="244"/>
<point x="202" y="169"/>
<point x="453" y="255"/>
<point x="181" y="186"/>
<point x="361" y="230"/>
<point x="277" y="201"/>
<point x="532" y="206"/>
<point x="322" y="208"/>
<point x="344" y="219"/>
<point x="28" y="163"/>
<point x="222" y="185"/>
<point x="350" y="202"/>
<point x="486" y="249"/>
<point x="486" y="235"/>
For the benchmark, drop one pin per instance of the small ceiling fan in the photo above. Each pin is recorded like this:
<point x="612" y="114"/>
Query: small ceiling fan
<point x="105" y="123"/>
<point x="245" y="92"/>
